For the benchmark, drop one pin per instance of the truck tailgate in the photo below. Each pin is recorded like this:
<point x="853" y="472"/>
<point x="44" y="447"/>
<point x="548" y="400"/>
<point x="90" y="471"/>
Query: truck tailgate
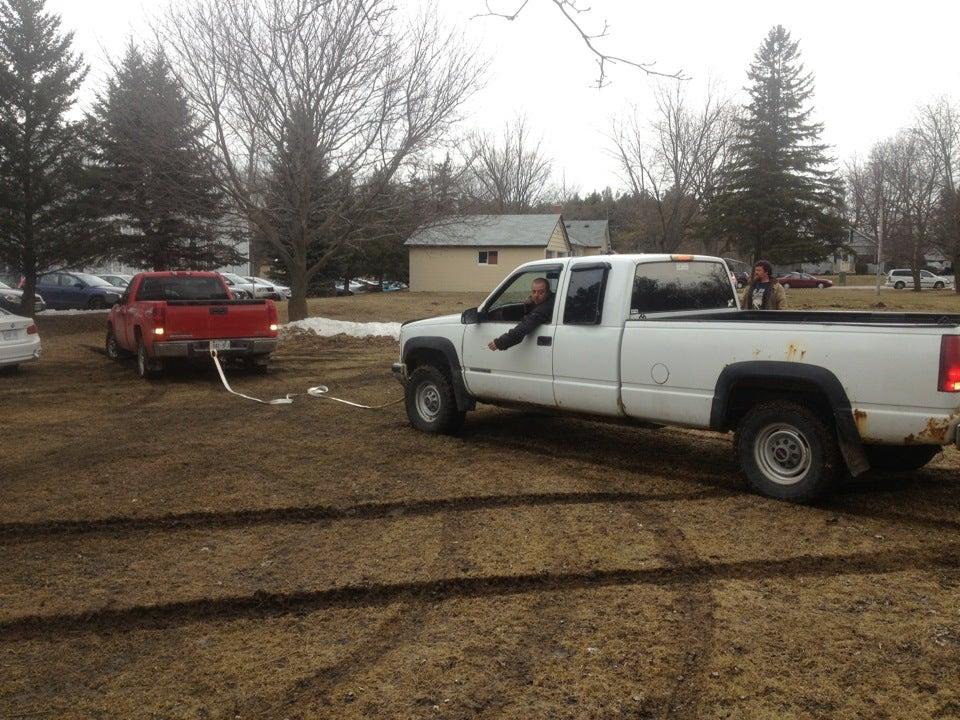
<point x="207" y="320"/>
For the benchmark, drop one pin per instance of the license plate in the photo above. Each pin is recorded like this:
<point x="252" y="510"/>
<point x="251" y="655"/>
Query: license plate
<point x="219" y="344"/>
<point x="10" y="334"/>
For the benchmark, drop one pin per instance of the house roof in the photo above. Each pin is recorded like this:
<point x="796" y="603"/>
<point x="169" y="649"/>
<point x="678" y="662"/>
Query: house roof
<point x="588" y="233"/>
<point x="489" y="230"/>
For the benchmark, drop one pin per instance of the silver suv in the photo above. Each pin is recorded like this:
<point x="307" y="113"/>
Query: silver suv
<point x="903" y="277"/>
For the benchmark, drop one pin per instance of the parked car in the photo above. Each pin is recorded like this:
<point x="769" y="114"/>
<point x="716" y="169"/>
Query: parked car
<point x="394" y="286"/>
<point x="19" y="340"/>
<point x="274" y="291"/>
<point x="240" y="289"/>
<point x="120" y="281"/>
<point x="251" y="289"/>
<point x="66" y="290"/>
<point x="903" y="277"/>
<point x="803" y="280"/>
<point x="353" y="288"/>
<point x="10" y="299"/>
<point x="184" y="315"/>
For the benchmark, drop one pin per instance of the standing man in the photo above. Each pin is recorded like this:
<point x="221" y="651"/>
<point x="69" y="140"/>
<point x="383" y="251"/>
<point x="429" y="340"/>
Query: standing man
<point x="764" y="292"/>
<point x="538" y="310"/>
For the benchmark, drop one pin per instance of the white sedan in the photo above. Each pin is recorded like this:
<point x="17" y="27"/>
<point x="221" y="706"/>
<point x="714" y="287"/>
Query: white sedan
<point x="19" y="340"/>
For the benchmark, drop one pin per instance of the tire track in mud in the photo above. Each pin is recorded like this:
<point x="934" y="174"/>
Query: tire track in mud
<point x="11" y="533"/>
<point x="697" y="609"/>
<point x="264" y="604"/>
<point x="400" y="629"/>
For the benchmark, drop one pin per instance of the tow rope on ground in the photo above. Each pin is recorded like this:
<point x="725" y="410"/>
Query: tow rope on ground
<point x="317" y="391"/>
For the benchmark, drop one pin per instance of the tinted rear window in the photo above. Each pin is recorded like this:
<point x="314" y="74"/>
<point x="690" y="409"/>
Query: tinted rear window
<point x="181" y="288"/>
<point x="675" y="286"/>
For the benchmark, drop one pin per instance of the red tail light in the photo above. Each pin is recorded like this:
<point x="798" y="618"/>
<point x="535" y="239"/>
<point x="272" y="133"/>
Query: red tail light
<point x="949" y="364"/>
<point x="31" y="329"/>
<point x="272" y="314"/>
<point x="159" y="315"/>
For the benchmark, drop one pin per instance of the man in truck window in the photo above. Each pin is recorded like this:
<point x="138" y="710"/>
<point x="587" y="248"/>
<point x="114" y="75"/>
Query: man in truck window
<point x="764" y="292"/>
<point x="537" y="310"/>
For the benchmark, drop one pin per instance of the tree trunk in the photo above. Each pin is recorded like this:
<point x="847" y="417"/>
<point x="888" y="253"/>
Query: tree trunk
<point x="297" y="307"/>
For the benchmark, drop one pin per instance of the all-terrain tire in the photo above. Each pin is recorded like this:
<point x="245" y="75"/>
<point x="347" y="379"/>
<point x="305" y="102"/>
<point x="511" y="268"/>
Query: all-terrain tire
<point x="112" y="347"/>
<point x="899" y="458"/>
<point x="431" y="402"/>
<point x="787" y="452"/>
<point x="147" y="368"/>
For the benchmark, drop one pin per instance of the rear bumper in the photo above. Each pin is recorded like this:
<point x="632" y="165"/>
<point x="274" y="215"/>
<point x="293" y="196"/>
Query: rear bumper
<point x="21" y="352"/>
<point x="196" y="348"/>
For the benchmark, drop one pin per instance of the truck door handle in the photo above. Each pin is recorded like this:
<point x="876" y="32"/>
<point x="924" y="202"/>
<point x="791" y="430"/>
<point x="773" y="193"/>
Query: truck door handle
<point x="544" y="340"/>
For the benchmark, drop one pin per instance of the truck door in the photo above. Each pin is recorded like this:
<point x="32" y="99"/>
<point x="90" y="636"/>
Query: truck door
<point x="524" y="373"/>
<point x="586" y="350"/>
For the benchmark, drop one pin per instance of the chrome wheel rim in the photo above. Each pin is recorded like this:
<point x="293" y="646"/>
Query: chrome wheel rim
<point x="782" y="453"/>
<point x="428" y="401"/>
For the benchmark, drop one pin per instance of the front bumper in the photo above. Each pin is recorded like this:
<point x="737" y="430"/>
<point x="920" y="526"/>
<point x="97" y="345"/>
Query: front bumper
<point x="196" y="348"/>
<point x="399" y="371"/>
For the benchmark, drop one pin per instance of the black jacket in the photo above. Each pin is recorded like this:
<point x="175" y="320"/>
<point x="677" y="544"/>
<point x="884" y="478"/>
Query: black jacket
<point x="536" y="315"/>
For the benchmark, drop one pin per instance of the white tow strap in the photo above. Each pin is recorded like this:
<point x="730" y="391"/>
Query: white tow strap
<point x="318" y="391"/>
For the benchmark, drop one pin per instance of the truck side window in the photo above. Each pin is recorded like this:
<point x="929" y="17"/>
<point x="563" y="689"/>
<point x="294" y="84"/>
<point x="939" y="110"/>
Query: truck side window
<point x="584" y="302"/>
<point x="675" y="286"/>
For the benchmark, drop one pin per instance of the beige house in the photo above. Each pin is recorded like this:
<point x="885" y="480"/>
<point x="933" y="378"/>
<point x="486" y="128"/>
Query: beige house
<point x="477" y="252"/>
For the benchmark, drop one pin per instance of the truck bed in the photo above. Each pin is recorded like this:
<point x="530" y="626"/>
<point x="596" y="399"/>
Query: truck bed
<point x="821" y="317"/>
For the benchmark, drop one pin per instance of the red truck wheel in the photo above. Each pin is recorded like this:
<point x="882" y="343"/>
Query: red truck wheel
<point x="147" y="368"/>
<point x="113" y="349"/>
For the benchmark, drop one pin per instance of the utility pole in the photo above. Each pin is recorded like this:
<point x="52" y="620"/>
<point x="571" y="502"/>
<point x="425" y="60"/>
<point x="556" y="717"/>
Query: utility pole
<point x="880" y="231"/>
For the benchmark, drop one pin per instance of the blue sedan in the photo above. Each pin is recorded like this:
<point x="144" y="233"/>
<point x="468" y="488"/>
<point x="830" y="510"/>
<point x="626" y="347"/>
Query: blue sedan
<point x="65" y="290"/>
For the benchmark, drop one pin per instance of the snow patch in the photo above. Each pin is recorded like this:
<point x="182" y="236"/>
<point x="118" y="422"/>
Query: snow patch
<point x="326" y="327"/>
<point x="48" y="311"/>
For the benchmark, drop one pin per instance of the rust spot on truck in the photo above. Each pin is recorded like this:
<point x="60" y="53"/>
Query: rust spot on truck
<point x="795" y="352"/>
<point x="756" y="353"/>
<point x="935" y="432"/>
<point x="860" y="418"/>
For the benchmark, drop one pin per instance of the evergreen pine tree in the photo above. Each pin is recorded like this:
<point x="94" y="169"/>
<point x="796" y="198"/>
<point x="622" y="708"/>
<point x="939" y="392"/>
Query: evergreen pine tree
<point x="153" y="172"/>
<point x="778" y="200"/>
<point x="46" y="219"/>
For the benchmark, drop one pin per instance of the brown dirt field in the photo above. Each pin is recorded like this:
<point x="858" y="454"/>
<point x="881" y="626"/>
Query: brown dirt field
<point x="171" y="551"/>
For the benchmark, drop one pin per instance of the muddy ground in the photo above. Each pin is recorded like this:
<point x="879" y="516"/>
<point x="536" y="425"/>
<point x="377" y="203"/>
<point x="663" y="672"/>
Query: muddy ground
<point x="170" y="551"/>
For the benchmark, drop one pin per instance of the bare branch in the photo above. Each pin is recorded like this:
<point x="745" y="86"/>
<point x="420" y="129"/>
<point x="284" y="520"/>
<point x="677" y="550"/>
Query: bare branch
<point x="570" y="10"/>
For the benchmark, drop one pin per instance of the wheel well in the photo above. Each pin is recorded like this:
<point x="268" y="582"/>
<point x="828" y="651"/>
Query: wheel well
<point x="428" y="356"/>
<point x="747" y="393"/>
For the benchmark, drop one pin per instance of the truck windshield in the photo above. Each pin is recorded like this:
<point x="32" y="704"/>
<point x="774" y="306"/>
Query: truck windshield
<point x="677" y="286"/>
<point x="181" y="288"/>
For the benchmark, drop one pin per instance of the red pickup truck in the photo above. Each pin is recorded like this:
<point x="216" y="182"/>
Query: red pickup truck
<point x="166" y="315"/>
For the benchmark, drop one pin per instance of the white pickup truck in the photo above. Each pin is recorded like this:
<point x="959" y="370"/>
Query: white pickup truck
<point x="661" y="339"/>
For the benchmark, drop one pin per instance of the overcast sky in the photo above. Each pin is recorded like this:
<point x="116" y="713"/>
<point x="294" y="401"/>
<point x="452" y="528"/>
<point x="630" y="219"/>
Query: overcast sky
<point x="872" y="65"/>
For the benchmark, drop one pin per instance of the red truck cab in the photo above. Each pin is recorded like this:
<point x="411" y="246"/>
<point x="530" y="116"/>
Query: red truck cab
<point x="185" y="314"/>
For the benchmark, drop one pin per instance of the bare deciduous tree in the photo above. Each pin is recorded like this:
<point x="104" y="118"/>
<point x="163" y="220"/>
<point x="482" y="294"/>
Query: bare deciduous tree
<point x="873" y="198"/>
<point x="939" y="126"/>
<point x="314" y="108"/>
<point x="511" y="173"/>
<point x="675" y="159"/>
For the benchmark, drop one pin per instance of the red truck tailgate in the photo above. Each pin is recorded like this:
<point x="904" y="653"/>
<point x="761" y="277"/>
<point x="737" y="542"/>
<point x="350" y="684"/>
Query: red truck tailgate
<point x="214" y="320"/>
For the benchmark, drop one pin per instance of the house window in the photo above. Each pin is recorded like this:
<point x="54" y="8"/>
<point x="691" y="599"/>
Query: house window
<point x="487" y="257"/>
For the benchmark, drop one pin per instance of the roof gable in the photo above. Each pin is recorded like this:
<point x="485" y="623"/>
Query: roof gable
<point x="588" y="233"/>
